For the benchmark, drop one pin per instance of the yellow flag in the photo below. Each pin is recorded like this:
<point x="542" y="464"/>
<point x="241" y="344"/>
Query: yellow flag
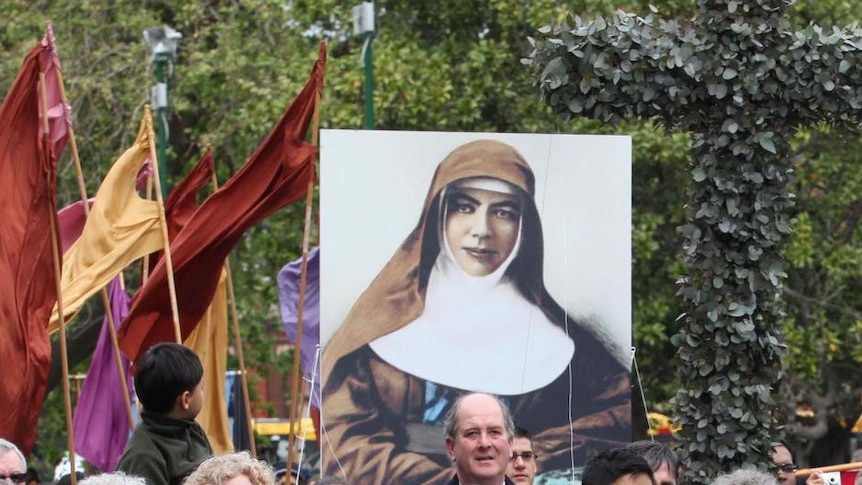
<point x="209" y="341"/>
<point x="122" y="227"/>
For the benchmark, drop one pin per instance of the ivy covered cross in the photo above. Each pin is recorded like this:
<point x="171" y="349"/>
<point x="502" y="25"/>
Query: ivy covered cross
<point x="741" y="82"/>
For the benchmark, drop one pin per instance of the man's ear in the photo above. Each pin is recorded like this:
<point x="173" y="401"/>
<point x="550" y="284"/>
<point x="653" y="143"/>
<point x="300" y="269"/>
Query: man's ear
<point x="450" y="448"/>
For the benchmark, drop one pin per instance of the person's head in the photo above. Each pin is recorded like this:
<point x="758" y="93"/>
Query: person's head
<point x="283" y="476"/>
<point x="619" y="466"/>
<point x="663" y="462"/>
<point x="745" y="477"/>
<point x="115" y="478"/>
<point x="33" y="477"/>
<point x="479" y="431"/>
<point x="67" y="478"/>
<point x="522" y="465"/>
<point x="482" y="223"/>
<point x="785" y="463"/>
<point x="168" y="381"/>
<point x="232" y="469"/>
<point x="13" y="465"/>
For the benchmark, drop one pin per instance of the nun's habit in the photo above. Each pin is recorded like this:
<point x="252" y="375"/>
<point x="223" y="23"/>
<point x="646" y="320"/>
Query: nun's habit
<point x="424" y="331"/>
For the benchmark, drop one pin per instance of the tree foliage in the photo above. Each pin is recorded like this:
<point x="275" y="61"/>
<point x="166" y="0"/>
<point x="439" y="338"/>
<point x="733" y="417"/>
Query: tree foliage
<point x="741" y="83"/>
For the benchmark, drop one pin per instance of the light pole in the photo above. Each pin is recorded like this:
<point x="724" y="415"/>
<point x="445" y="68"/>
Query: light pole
<point x="163" y="44"/>
<point x="363" y="25"/>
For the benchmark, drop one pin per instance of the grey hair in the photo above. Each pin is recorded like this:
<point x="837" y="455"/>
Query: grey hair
<point x="8" y="446"/>
<point x="450" y="423"/>
<point x="656" y="454"/>
<point x="746" y="477"/>
<point x="219" y="469"/>
<point x="116" y="478"/>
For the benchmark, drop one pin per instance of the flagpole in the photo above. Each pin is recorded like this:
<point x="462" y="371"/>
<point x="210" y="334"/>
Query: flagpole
<point x="175" y="312"/>
<point x="109" y="312"/>
<point x="145" y="264"/>
<point x="294" y="380"/>
<point x="55" y="249"/>
<point x="243" y="375"/>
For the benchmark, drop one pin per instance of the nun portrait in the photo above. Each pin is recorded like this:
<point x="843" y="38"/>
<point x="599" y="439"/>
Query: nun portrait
<point x="462" y="306"/>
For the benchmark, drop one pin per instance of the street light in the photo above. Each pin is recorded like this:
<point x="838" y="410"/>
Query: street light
<point x="163" y="45"/>
<point x="363" y="24"/>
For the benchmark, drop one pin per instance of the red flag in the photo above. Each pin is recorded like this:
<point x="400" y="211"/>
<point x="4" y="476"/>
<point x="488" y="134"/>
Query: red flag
<point x="27" y="178"/>
<point x="277" y="174"/>
<point x="182" y="201"/>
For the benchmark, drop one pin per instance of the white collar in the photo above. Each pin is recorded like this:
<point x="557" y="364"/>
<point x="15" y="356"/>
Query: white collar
<point x="478" y="335"/>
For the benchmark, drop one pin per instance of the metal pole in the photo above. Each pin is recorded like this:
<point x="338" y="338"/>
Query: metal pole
<point x="369" y="83"/>
<point x="161" y="121"/>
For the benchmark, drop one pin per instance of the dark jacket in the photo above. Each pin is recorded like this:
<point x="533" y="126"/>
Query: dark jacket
<point x="164" y="451"/>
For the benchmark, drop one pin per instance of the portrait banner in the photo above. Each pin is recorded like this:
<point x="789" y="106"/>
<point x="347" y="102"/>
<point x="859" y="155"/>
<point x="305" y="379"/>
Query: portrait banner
<point x="461" y="262"/>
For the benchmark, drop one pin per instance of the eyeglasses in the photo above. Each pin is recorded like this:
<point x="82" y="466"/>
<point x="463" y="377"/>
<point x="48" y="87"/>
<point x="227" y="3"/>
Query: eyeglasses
<point x="788" y="468"/>
<point x="526" y="456"/>
<point x="14" y="478"/>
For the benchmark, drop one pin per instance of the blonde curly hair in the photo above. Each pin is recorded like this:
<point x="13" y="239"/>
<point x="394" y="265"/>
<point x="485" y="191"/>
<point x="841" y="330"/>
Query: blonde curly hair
<point x="219" y="469"/>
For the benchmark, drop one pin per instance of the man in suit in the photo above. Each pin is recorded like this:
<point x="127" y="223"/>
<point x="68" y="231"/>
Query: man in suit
<point x="479" y="431"/>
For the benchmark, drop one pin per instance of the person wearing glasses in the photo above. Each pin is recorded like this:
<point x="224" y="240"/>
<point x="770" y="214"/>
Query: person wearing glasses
<point x="13" y="465"/>
<point x="522" y="465"/>
<point x="785" y="463"/>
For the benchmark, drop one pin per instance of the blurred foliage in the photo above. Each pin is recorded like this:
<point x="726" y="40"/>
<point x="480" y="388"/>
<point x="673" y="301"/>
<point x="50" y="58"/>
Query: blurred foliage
<point x="447" y="65"/>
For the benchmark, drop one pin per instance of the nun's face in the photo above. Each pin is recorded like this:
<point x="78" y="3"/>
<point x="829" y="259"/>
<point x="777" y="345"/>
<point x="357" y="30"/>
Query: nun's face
<point x="482" y="228"/>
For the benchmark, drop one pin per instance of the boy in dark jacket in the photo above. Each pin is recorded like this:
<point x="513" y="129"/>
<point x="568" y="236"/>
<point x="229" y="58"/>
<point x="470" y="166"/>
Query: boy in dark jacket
<point x="167" y="445"/>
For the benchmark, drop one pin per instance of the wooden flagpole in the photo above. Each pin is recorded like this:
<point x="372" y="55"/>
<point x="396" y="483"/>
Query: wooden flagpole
<point x="109" y="313"/>
<point x="148" y="116"/>
<point x="243" y="375"/>
<point x="833" y="468"/>
<point x="294" y="380"/>
<point x="55" y="248"/>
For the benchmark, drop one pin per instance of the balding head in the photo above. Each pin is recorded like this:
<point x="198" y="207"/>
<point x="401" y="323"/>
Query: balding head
<point x="12" y="461"/>
<point x="479" y="438"/>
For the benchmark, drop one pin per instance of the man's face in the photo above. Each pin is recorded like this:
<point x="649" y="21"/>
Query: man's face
<point x="522" y="465"/>
<point x="663" y="475"/>
<point x="11" y="466"/>
<point x="786" y="468"/>
<point x="633" y="479"/>
<point x="481" y="446"/>
<point x="482" y="228"/>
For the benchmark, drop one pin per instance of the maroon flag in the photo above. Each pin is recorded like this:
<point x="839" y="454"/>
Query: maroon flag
<point x="183" y="199"/>
<point x="277" y="174"/>
<point x="27" y="182"/>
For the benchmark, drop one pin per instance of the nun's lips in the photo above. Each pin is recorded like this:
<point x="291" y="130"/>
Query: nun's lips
<point x="481" y="253"/>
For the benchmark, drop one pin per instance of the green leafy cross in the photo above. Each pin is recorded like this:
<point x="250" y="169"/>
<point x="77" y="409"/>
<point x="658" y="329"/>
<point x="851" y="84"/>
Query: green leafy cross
<point x="741" y="82"/>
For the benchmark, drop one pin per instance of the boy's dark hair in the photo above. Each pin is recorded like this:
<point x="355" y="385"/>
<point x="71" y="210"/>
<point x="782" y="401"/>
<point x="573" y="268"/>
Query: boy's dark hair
<point x="607" y="466"/>
<point x="165" y="372"/>
<point x="655" y="454"/>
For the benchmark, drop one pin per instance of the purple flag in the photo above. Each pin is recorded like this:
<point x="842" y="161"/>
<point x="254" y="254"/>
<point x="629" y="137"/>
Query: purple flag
<point x="288" y="294"/>
<point x="101" y="422"/>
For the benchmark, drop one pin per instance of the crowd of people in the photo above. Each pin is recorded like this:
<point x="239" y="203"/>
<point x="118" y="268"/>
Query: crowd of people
<point x="481" y="440"/>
